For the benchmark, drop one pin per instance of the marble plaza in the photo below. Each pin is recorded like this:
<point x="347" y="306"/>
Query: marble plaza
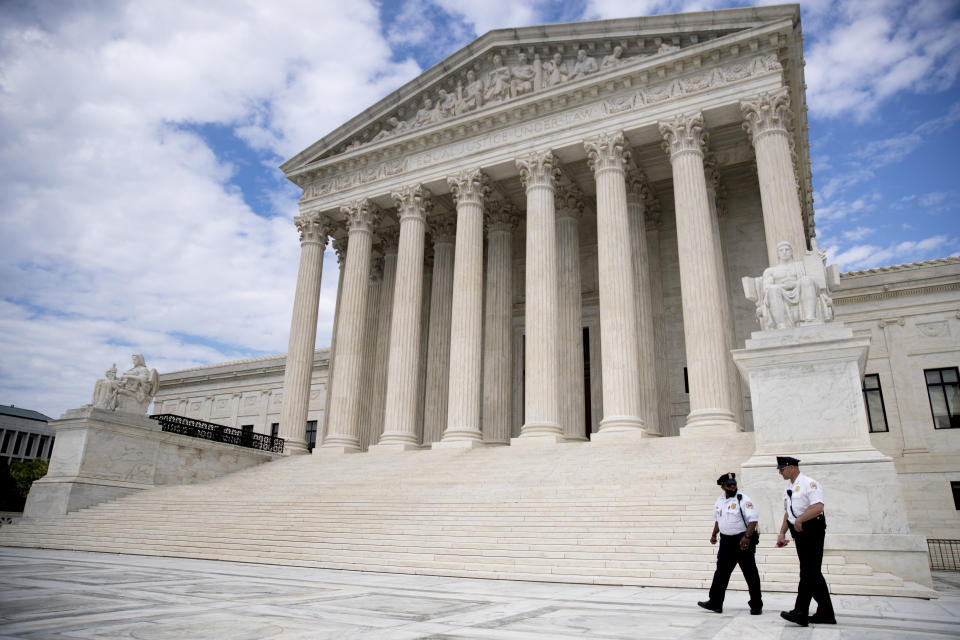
<point x="61" y="595"/>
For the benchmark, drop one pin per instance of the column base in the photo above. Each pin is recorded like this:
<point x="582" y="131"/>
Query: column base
<point x="710" y="422"/>
<point x="613" y="436"/>
<point x="334" y="449"/>
<point x="295" y="448"/>
<point x="465" y="443"/>
<point x="621" y="423"/>
<point x="388" y="447"/>
<point x="545" y="440"/>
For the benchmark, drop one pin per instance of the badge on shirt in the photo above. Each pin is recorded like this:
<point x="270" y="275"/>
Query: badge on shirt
<point x="749" y="505"/>
<point x="813" y="485"/>
<point x="733" y="506"/>
<point x="797" y="488"/>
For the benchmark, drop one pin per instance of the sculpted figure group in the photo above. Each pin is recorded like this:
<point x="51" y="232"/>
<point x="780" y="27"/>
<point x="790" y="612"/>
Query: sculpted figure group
<point x="502" y="81"/>
<point x="790" y="293"/>
<point x="132" y="392"/>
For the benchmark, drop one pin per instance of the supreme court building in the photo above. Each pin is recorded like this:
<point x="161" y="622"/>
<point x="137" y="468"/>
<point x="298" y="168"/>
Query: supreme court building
<point x="542" y="239"/>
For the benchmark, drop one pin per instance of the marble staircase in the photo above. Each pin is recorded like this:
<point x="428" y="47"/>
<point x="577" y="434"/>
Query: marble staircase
<point x="633" y="514"/>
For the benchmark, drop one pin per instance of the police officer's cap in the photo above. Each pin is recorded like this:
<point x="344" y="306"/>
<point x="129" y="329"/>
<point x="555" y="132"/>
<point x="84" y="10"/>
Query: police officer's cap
<point x="786" y="461"/>
<point x="727" y="478"/>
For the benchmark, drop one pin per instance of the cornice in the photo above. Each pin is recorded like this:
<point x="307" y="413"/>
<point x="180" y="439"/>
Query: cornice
<point x="890" y="293"/>
<point x="900" y="267"/>
<point x="694" y="32"/>
<point x="652" y="77"/>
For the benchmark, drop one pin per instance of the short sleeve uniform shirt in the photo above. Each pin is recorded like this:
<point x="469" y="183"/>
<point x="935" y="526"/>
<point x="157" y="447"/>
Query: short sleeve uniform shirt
<point x="727" y="513"/>
<point x="800" y="494"/>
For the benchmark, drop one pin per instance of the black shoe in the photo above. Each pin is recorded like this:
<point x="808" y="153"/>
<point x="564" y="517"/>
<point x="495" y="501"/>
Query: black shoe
<point x="794" y="617"/>
<point x="709" y="606"/>
<point x="820" y="618"/>
<point x="756" y="612"/>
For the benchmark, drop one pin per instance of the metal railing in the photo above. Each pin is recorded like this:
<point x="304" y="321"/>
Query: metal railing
<point x="944" y="554"/>
<point x="217" y="432"/>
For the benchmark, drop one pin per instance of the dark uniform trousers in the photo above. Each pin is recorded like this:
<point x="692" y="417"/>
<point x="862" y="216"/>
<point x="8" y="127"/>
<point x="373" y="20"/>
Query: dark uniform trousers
<point x="810" y="553"/>
<point x="729" y="556"/>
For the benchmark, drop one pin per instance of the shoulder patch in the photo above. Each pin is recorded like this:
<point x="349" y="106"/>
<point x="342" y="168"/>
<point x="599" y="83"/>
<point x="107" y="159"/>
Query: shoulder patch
<point x="749" y="505"/>
<point x="813" y="485"/>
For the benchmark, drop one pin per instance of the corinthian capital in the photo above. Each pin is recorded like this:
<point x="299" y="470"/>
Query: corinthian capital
<point x="313" y="227"/>
<point x="443" y="229"/>
<point x="413" y="202"/>
<point x="569" y="200"/>
<point x="606" y="151"/>
<point x="340" y="246"/>
<point x="538" y="169"/>
<point x="766" y="113"/>
<point x="362" y="215"/>
<point x="637" y="186"/>
<point x="469" y="186"/>
<point x="389" y="240"/>
<point x="502" y="218"/>
<point x="683" y="134"/>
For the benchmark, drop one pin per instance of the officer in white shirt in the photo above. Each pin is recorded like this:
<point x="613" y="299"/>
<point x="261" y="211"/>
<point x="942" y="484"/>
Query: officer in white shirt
<point x="803" y="516"/>
<point x="735" y="519"/>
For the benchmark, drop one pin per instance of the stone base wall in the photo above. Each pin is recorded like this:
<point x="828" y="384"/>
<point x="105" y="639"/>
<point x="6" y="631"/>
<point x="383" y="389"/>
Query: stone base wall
<point x="101" y="455"/>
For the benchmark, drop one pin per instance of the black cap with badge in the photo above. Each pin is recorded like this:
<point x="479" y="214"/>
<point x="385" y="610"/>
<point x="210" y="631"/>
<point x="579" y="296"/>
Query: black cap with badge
<point x="786" y="461"/>
<point x="727" y="478"/>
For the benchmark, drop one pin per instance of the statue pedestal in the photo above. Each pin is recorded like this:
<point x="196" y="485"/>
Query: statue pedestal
<point x="103" y="455"/>
<point x="805" y="386"/>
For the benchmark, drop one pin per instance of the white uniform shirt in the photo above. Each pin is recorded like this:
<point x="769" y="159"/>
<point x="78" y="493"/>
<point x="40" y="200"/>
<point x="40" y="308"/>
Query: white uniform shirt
<point x="804" y="491"/>
<point x="726" y="513"/>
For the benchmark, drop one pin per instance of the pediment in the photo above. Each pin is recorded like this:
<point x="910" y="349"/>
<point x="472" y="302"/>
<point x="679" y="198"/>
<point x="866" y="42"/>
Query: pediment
<point x="512" y="65"/>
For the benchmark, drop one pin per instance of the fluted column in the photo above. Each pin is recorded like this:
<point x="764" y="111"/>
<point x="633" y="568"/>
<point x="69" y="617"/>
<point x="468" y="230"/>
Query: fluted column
<point x="343" y="431"/>
<point x="469" y="188"/>
<point x="390" y="238"/>
<point x="684" y="141"/>
<point x="340" y="247"/>
<point x="538" y="171"/>
<point x="716" y="197"/>
<point x="314" y="229"/>
<point x="426" y="287"/>
<point x="766" y="119"/>
<point x="498" y="336"/>
<point x="618" y="307"/>
<point x="643" y="295"/>
<point x="442" y="231"/>
<point x="400" y="417"/>
<point x="371" y="320"/>
<point x="570" y="319"/>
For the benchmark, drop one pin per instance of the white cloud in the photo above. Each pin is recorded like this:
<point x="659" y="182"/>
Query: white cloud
<point x="867" y="256"/>
<point x="122" y="230"/>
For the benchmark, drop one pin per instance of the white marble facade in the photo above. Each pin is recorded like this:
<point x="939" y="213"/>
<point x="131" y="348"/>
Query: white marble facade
<point x="618" y="176"/>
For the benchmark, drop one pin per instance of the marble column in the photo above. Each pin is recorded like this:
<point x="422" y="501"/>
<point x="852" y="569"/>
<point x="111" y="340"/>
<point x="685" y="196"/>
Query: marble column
<point x="442" y="231"/>
<point x="703" y="331"/>
<point x="314" y="229"/>
<point x="664" y="412"/>
<point x="400" y="417"/>
<point x="340" y="247"/>
<point x="643" y="295"/>
<point x="716" y="197"/>
<point x="618" y="307"/>
<point x="371" y="320"/>
<point x="570" y="320"/>
<point x="343" y="433"/>
<point x="381" y="369"/>
<point x="767" y="119"/>
<point x="426" y="287"/>
<point x="469" y="189"/>
<point x="538" y="171"/>
<point x="498" y="336"/>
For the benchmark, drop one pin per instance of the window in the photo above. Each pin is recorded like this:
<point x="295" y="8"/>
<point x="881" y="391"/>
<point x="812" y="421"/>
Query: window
<point x="955" y="486"/>
<point x="31" y="439"/>
<point x="6" y="441"/>
<point x="42" y="447"/>
<point x="274" y="429"/>
<point x="943" y="387"/>
<point x="873" y="398"/>
<point x="311" y="434"/>
<point x="16" y="446"/>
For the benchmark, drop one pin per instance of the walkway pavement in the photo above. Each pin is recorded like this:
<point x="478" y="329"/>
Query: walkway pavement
<point x="69" y="594"/>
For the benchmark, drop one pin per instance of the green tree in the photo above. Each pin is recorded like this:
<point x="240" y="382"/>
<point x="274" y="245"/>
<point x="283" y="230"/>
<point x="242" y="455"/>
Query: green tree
<point x="24" y="472"/>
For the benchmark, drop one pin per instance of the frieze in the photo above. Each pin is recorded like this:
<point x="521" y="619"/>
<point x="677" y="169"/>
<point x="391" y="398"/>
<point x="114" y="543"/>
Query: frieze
<point x="642" y="96"/>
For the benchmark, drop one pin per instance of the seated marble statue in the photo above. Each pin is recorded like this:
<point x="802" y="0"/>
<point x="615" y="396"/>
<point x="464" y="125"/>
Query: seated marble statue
<point x="792" y="292"/>
<point x="131" y="393"/>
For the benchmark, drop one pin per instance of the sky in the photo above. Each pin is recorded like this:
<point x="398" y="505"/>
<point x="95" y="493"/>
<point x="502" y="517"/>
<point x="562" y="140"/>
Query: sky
<point x="141" y="208"/>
